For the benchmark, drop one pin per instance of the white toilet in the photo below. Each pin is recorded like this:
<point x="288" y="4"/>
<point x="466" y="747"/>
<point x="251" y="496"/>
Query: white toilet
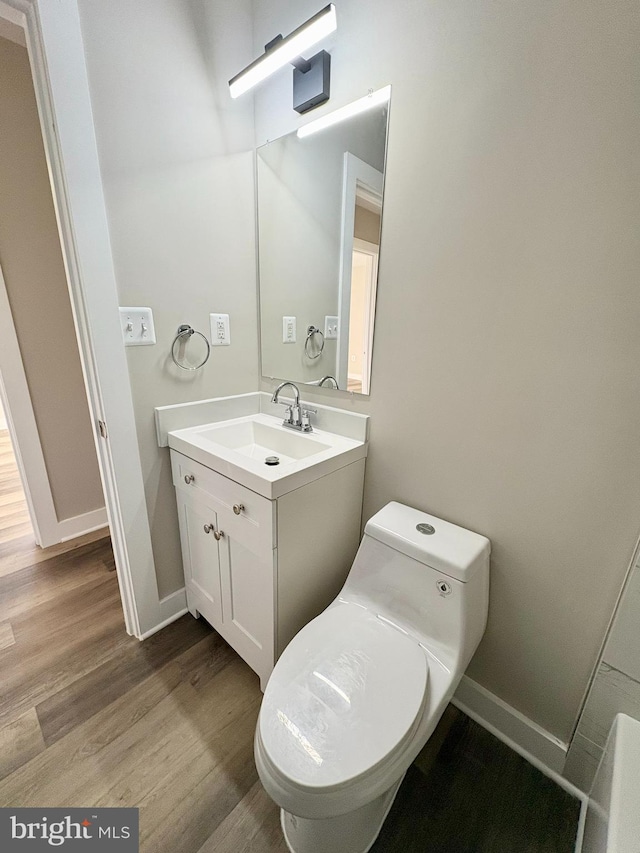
<point x="358" y="692"/>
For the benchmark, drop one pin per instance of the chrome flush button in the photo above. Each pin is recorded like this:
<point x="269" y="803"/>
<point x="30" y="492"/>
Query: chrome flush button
<point x="425" y="528"/>
<point x="443" y="587"/>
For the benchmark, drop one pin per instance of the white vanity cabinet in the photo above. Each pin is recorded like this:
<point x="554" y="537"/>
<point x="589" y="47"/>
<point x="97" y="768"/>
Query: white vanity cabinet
<point x="258" y="569"/>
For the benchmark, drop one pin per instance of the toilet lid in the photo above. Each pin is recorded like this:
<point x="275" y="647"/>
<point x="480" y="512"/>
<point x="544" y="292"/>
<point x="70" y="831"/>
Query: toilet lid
<point x="347" y="691"/>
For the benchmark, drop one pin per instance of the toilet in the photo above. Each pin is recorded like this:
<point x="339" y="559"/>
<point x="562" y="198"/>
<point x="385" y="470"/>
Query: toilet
<point x="359" y="690"/>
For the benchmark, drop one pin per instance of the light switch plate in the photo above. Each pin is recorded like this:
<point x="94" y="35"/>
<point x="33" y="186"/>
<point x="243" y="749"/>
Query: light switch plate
<point x="288" y="330"/>
<point x="220" y="330"/>
<point x="137" y="327"/>
<point x="330" y="328"/>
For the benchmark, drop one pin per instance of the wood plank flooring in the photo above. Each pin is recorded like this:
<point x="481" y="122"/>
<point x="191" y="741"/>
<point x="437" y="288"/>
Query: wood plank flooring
<point x="14" y="514"/>
<point x="92" y="717"/>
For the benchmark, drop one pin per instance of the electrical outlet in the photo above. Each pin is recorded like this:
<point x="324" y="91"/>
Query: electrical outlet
<point x="220" y="330"/>
<point x="330" y="328"/>
<point x="288" y="330"/>
<point x="137" y="327"/>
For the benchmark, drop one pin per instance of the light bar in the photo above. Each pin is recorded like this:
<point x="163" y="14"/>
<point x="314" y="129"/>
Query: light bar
<point x="285" y="51"/>
<point x="373" y="99"/>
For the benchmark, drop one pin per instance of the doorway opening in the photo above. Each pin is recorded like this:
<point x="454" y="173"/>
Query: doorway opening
<point x="15" y="520"/>
<point x="364" y="279"/>
<point x="49" y="449"/>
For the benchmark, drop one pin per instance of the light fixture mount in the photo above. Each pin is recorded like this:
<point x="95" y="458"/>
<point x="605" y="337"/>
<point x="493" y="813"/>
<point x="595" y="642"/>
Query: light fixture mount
<point x="311" y="76"/>
<point x="311" y="84"/>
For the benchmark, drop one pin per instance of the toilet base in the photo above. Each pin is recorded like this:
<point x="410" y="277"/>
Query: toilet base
<point x="353" y="832"/>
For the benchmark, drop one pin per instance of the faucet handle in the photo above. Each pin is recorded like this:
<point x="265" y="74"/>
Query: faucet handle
<point x="305" y="420"/>
<point x="288" y="412"/>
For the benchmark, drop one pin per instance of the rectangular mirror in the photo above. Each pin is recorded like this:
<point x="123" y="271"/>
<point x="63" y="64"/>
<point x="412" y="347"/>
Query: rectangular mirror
<point x="320" y="202"/>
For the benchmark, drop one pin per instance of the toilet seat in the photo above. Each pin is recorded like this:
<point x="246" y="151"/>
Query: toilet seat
<point x="346" y="695"/>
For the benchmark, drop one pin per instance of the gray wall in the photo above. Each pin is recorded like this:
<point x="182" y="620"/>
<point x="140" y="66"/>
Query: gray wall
<point x="176" y="156"/>
<point x="36" y="284"/>
<point x="505" y="392"/>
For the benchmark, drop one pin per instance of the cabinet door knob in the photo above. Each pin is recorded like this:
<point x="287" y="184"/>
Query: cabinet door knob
<point x="219" y="534"/>
<point x="208" y="528"/>
<point x="189" y="478"/>
<point x="238" y="508"/>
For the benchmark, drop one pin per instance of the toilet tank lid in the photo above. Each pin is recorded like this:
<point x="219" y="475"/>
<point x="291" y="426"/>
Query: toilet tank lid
<point x="450" y="549"/>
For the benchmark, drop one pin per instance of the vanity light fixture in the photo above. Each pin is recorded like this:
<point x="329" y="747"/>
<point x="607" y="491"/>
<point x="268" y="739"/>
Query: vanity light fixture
<point x="373" y="99"/>
<point x="310" y="77"/>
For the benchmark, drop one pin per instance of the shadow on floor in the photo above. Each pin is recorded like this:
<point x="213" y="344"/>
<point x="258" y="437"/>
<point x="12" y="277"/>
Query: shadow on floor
<point x="475" y="795"/>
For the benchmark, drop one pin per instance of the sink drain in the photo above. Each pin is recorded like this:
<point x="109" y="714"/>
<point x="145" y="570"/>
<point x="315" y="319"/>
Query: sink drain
<point x="272" y="460"/>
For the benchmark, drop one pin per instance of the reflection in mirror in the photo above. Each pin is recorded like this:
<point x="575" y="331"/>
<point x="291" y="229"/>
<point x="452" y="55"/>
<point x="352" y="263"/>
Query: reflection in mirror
<point x="319" y="218"/>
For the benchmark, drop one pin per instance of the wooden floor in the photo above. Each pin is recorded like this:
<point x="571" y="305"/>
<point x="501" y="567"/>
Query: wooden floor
<point x="92" y="717"/>
<point x="14" y="515"/>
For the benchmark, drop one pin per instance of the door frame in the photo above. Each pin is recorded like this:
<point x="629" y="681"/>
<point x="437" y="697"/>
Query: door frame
<point x="56" y="54"/>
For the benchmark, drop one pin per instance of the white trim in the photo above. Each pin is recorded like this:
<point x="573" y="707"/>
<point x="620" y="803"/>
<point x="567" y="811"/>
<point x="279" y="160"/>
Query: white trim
<point x="173" y="606"/>
<point x="354" y="170"/>
<point x="78" y="525"/>
<point x="23" y="430"/>
<point x="56" y="54"/>
<point x="175" y="602"/>
<point x="162" y="625"/>
<point x="12" y="32"/>
<point x="584" y="806"/>
<point x="528" y="738"/>
<point x="13" y="15"/>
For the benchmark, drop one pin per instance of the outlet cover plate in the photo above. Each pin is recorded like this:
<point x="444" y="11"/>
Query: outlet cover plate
<point x="288" y="330"/>
<point x="220" y="330"/>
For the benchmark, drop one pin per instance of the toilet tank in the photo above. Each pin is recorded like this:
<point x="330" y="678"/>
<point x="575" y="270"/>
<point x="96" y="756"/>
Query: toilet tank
<point x="427" y="576"/>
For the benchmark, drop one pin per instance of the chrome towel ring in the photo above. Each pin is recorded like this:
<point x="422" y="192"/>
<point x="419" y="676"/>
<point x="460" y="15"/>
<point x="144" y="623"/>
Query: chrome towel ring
<point x="311" y="332"/>
<point x="185" y="331"/>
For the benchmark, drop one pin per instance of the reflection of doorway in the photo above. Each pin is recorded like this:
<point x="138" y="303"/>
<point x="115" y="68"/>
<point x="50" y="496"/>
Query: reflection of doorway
<point x="364" y="277"/>
<point x="361" y="218"/>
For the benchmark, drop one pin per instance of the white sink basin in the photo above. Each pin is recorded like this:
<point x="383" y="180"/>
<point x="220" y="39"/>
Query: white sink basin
<point x="258" y="440"/>
<point x="238" y="449"/>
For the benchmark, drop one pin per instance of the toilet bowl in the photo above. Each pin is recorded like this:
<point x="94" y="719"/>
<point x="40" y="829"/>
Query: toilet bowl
<point x="359" y="690"/>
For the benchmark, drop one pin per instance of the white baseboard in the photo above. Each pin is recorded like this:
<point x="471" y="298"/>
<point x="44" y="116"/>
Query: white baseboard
<point x="174" y="603"/>
<point x="519" y="732"/>
<point x="172" y="607"/>
<point x="70" y="528"/>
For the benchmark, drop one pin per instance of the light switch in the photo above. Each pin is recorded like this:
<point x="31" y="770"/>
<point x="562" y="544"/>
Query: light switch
<point x="137" y="327"/>
<point x="330" y="328"/>
<point x="288" y="330"/>
<point x="220" y="330"/>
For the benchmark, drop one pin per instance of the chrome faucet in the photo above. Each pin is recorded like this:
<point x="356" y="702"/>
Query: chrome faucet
<point x="294" y="417"/>
<point x="327" y="378"/>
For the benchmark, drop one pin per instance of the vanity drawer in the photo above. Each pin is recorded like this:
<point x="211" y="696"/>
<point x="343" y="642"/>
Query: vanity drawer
<point x="254" y="526"/>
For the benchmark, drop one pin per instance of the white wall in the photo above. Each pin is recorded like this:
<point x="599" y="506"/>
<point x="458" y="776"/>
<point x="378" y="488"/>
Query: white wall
<point x="177" y="165"/>
<point x="505" y="392"/>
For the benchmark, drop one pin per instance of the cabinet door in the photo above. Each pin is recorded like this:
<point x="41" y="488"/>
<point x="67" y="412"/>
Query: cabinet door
<point x="247" y="580"/>
<point x="201" y="559"/>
